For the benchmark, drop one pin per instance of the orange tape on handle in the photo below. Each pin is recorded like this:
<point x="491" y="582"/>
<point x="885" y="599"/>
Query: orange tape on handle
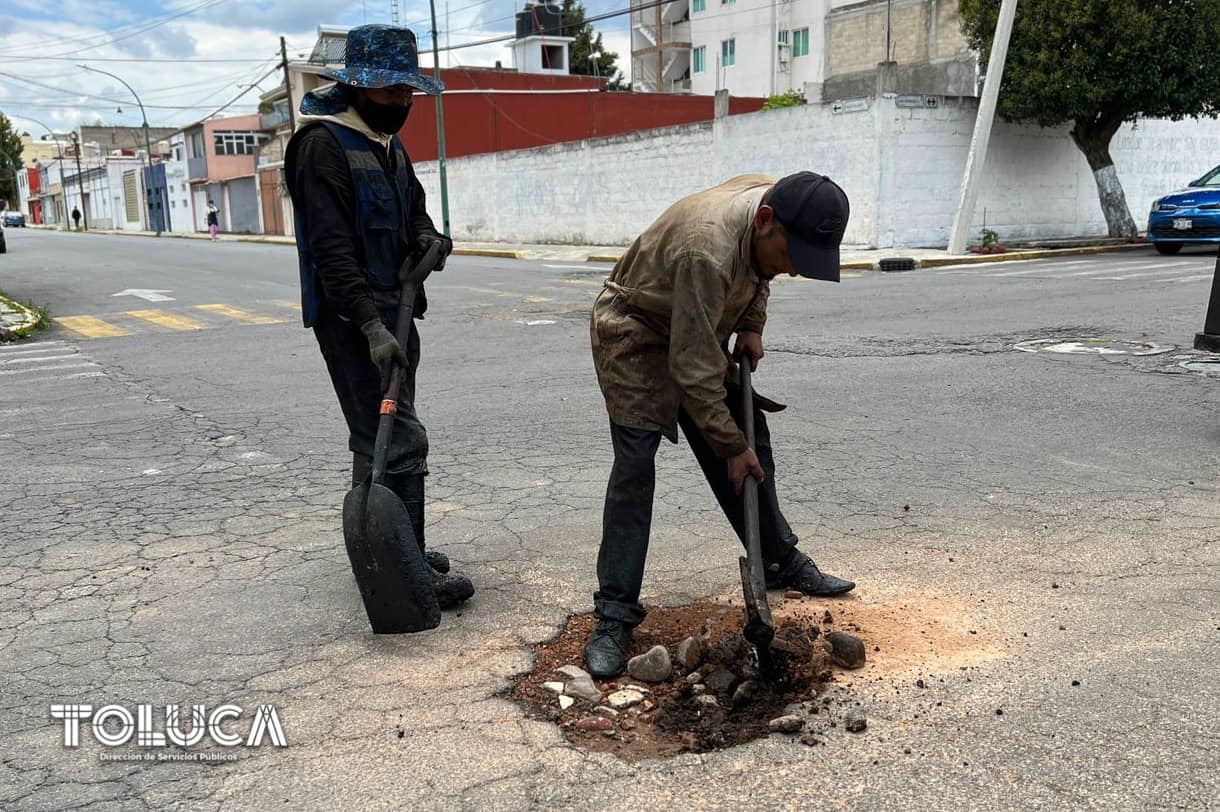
<point x="389" y="406"/>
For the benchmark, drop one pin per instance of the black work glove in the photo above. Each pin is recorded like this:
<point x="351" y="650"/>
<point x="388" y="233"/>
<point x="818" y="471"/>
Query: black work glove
<point x="383" y="349"/>
<point x="424" y="242"/>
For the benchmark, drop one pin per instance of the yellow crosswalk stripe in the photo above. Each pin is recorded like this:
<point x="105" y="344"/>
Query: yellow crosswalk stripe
<point x="91" y="327"/>
<point x="163" y="318"/>
<point x="288" y="303"/>
<point x="238" y="315"/>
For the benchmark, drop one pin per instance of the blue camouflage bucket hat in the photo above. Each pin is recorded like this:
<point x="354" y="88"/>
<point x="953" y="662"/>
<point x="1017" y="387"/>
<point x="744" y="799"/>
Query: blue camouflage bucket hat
<point x="380" y="56"/>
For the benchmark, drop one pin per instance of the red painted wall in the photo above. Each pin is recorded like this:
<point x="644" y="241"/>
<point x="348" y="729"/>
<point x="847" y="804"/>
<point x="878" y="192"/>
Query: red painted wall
<point x="493" y="121"/>
<point x="33" y="178"/>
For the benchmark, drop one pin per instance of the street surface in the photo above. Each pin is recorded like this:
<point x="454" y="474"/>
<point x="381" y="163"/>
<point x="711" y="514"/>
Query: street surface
<point x="1035" y="536"/>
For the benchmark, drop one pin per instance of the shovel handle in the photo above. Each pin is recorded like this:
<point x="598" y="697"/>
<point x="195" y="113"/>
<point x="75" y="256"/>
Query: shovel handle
<point x="750" y="485"/>
<point x="411" y="275"/>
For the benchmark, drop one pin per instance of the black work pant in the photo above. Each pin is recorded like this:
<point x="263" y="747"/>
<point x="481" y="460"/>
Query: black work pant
<point x="627" y="519"/>
<point x="358" y="386"/>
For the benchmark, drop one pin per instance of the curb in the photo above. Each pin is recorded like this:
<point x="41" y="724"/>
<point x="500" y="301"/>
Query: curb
<point x="27" y="319"/>
<point x="1014" y="256"/>
<point x="498" y="253"/>
<point x="604" y="258"/>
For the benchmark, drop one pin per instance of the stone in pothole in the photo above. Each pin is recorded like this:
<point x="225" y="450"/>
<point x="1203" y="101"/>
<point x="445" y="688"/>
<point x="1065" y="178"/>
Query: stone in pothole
<point x="652" y="666"/>
<point x="624" y="699"/>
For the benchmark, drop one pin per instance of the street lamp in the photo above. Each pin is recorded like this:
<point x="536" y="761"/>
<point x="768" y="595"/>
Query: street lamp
<point x="59" y="151"/>
<point x="147" y="148"/>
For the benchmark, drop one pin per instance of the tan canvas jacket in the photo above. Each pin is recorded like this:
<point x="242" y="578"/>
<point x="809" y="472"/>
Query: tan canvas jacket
<point x="660" y="326"/>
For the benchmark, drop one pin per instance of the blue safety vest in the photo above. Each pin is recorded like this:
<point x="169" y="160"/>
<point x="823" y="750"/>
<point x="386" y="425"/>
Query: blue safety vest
<point x="383" y="206"/>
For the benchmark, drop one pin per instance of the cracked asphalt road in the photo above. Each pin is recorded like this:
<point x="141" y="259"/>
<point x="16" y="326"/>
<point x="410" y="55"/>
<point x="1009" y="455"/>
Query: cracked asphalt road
<point x="172" y="535"/>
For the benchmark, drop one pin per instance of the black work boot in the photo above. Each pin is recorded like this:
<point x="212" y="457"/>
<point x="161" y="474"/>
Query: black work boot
<point x="451" y="589"/>
<point x="800" y="573"/>
<point x="606" y="651"/>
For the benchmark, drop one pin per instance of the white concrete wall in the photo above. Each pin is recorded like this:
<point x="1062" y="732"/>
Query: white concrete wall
<point x="900" y="167"/>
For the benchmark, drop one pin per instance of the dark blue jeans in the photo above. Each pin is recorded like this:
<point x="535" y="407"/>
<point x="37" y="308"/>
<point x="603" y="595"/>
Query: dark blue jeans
<point x="358" y="386"/>
<point x="627" y="519"/>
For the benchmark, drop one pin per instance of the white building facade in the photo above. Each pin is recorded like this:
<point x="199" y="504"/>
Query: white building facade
<point x="764" y="48"/>
<point x="182" y="219"/>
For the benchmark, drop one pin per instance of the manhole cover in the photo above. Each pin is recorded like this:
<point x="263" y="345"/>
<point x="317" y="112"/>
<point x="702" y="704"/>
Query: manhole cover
<point x="1093" y="346"/>
<point x="1211" y="365"/>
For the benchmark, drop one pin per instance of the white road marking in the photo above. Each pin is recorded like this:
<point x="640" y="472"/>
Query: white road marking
<point x="146" y="294"/>
<point x="589" y="267"/>
<point x="36" y="359"/>
<point x="26" y="349"/>
<point x="46" y="369"/>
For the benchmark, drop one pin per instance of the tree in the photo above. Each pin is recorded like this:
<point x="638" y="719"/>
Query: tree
<point x="1100" y="63"/>
<point x="10" y="161"/>
<point x="604" y="63"/>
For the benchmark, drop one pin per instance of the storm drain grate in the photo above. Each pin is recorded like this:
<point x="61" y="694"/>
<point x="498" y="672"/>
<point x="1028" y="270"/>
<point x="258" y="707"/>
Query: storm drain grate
<point x="897" y="264"/>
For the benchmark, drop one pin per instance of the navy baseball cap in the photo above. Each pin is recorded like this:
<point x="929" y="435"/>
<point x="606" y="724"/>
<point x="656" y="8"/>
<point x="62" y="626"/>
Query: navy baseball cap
<point x="813" y="211"/>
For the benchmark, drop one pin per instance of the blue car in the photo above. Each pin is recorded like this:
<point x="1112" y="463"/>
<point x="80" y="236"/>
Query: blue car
<point x="1191" y="215"/>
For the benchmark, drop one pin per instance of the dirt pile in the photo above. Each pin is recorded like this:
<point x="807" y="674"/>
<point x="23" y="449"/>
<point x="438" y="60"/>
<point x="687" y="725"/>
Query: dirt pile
<point x="713" y="696"/>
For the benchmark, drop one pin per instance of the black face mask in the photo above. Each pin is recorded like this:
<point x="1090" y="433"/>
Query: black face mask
<point x="384" y="118"/>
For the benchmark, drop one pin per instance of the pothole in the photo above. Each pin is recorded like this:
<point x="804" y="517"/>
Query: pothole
<point x="1093" y="346"/>
<point x="727" y="704"/>
<point x="907" y="636"/>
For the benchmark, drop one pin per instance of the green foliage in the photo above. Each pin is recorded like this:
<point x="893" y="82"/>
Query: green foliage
<point x="990" y="239"/>
<point x="793" y="98"/>
<point x="605" y="63"/>
<point x="1102" y="60"/>
<point x="43" y="322"/>
<point x="10" y="161"/>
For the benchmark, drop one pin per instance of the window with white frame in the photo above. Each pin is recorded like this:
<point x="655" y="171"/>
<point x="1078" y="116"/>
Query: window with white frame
<point x="235" y="143"/>
<point x="699" y="59"/>
<point x="698" y="5"/>
<point x="728" y="53"/>
<point x="800" y="42"/>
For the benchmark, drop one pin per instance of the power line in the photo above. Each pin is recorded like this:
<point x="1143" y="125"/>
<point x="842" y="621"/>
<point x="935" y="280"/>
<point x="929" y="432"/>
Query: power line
<point x="187" y="60"/>
<point x="113" y="36"/>
<point x="588" y="20"/>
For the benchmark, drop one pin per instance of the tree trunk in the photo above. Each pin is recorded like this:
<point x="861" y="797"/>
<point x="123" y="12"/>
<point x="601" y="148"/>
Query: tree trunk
<point x="1093" y="137"/>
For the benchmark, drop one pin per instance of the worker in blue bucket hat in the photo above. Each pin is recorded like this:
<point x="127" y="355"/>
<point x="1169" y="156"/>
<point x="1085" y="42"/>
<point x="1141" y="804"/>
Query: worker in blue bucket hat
<point x="360" y="214"/>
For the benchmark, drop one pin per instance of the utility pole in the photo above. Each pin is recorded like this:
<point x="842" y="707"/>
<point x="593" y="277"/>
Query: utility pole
<point x="977" y="156"/>
<point x="292" y="116"/>
<point x="440" y="123"/>
<point x="80" y="182"/>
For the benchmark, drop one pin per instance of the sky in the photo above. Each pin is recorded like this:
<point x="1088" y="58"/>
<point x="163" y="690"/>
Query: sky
<point x="187" y="58"/>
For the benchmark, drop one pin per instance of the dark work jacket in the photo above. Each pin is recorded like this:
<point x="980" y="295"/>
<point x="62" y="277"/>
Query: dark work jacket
<point x="358" y="212"/>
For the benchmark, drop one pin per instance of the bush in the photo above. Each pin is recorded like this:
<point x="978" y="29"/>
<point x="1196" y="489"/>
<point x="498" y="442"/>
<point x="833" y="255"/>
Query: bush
<point x="793" y="98"/>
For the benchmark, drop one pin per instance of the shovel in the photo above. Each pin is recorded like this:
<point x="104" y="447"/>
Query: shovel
<point x="760" y="628"/>
<point x="386" y="559"/>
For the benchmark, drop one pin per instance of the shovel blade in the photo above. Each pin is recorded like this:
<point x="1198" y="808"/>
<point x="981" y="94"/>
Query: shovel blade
<point x="387" y="562"/>
<point x="759" y="628"/>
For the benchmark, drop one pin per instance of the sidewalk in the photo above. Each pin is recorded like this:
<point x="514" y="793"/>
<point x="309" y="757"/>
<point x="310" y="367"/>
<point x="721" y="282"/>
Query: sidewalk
<point x="854" y="259"/>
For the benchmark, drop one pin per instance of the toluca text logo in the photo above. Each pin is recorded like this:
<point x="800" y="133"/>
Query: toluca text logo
<point x="115" y="726"/>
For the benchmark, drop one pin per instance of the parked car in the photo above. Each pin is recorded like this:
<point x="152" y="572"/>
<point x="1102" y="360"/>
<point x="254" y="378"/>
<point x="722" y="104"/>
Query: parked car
<point x="14" y="219"/>
<point x="1191" y="215"/>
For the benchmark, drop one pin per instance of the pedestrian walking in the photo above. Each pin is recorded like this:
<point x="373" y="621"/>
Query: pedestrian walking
<point x="213" y="219"/>
<point x="360" y="213"/>
<point x="76" y="217"/>
<point x="660" y="330"/>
